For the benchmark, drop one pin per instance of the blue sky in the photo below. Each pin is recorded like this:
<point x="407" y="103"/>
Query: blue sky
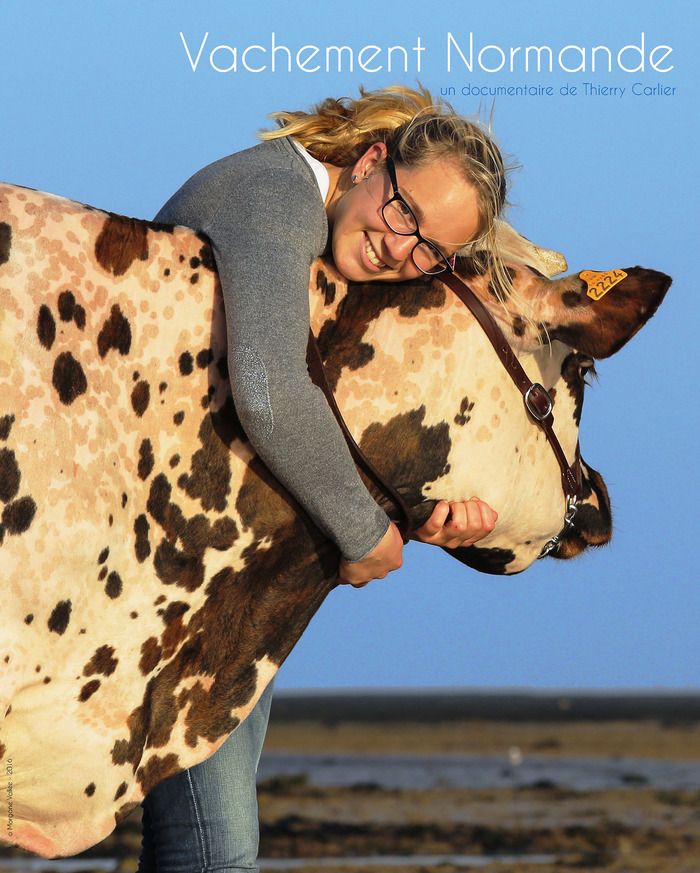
<point x="101" y="103"/>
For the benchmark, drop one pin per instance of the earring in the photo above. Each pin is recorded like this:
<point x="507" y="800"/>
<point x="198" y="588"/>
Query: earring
<point x="354" y="179"/>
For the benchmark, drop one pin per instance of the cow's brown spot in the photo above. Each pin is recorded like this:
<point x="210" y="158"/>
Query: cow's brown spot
<point x="5" y="241"/>
<point x="494" y="292"/>
<point x="179" y="417"/>
<point x="210" y="475"/>
<point x="340" y="339"/>
<point x="121" y="790"/>
<point x="160" y="599"/>
<point x="3" y="749"/>
<point x="140" y="397"/>
<point x="194" y="278"/>
<point x="121" y="241"/>
<point x="6" y="422"/>
<point x="206" y="256"/>
<point x="175" y="630"/>
<point x="124" y="499"/>
<point x="66" y="305"/>
<point x="186" y="364"/>
<point x="146" y="459"/>
<point x="464" y="415"/>
<point x="68" y="378"/>
<point x="60" y="616"/>
<point x="156" y="770"/>
<point x="102" y="574"/>
<point x="518" y="325"/>
<point x="174" y="610"/>
<point x="151" y="654"/>
<point x="176" y="567"/>
<point x="494" y="561"/>
<point x="162" y="387"/>
<point x="204" y="358"/>
<point x="174" y="461"/>
<point x="115" y="333"/>
<point x="9" y="475"/>
<point x="571" y="298"/>
<point x="90" y="789"/>
<point x="113" y="588"/>
<point x="88" y="690"/>
<point x="167" y="514"/>
<point x="28" y="619"/>
<point x="573" y="368"/>
<point x="103" y="661"/>
<point x="46" y="327"/>
<point x="104" y="554"/>
<point x="407" y="453"/>
<point x="142" y="546"/>
<point x="327" y="288"/>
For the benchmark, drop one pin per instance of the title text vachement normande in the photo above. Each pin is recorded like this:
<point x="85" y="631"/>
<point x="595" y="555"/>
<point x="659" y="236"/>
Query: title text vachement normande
<point x="464" y="53"/>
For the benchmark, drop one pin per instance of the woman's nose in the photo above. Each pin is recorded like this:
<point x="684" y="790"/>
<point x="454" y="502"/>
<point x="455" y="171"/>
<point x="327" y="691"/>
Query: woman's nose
<point x="399" y="247"/>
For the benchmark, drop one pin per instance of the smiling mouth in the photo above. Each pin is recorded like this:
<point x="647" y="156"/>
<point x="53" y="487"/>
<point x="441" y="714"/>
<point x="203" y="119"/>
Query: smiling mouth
<point x="372" y="255"/>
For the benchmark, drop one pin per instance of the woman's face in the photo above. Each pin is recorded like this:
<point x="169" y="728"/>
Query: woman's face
<point x="363" y="247"/>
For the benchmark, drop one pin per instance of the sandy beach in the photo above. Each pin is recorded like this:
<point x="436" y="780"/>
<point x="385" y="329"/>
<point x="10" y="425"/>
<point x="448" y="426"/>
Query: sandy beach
<point x="635" y="828"/>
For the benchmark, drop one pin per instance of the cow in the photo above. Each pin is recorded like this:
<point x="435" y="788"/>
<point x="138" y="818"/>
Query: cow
<point x="155" y="575"/>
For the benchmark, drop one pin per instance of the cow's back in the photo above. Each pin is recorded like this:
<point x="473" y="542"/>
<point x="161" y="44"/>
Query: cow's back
<point x="141" y="551"/>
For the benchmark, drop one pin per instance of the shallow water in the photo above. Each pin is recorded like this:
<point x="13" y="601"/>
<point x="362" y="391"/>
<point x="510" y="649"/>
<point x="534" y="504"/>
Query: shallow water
<point x="405" y="860"/>
<point x="93" y="865"/>
<point x="69" y="865"/>
<point x="480" y="771"/>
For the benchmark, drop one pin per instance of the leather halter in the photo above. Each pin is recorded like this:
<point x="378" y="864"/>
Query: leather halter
<point x="536" y="398"/>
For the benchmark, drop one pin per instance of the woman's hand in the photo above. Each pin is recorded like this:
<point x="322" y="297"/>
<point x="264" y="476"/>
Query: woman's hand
<point x="384" y="557"/>
<point x="457" y="523"/>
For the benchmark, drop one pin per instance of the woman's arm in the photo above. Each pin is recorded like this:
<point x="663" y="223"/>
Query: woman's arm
<point x="264" y="236"/>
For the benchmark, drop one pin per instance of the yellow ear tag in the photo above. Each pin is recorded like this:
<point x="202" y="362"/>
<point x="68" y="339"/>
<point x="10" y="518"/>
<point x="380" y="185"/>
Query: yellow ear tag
<point x="600" y="283"/>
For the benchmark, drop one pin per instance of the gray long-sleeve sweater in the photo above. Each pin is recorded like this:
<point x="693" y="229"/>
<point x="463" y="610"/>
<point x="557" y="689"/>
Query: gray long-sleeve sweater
<point x="262" y="210"/>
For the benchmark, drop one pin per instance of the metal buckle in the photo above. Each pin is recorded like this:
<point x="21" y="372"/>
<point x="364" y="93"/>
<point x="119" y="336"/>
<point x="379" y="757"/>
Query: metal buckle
<point x="571" y="509"/>
<point x="534" y="412"/>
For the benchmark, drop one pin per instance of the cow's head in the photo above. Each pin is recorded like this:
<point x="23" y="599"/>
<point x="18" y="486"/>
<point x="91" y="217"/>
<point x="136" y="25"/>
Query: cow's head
<point x="436" y="412"/>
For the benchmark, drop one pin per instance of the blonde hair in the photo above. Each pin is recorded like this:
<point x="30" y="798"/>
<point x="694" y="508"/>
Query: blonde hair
<point x="416" y="130"/>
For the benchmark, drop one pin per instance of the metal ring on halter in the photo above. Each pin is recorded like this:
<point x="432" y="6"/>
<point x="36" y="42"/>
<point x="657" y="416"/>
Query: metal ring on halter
<point x="571" y="509"/>
<point x="529" y="401"/>
<point x="548" y="547"/>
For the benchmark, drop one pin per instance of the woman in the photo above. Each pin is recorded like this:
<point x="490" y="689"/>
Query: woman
<point x="391" y="186"/>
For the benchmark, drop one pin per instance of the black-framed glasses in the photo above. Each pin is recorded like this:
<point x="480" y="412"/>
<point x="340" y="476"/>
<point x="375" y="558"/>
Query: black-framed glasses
<point x="399" y="218"/>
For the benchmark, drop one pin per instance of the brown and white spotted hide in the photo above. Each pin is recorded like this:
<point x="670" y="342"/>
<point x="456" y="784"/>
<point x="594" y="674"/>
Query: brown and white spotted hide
<point x="154" y="575"/>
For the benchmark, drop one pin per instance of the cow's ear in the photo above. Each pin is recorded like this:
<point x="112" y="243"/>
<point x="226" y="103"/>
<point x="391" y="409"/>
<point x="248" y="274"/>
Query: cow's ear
<point x="598" y="312"/>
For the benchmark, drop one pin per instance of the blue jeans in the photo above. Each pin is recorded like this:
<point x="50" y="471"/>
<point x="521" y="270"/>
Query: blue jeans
<point x="206" y="818"/>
